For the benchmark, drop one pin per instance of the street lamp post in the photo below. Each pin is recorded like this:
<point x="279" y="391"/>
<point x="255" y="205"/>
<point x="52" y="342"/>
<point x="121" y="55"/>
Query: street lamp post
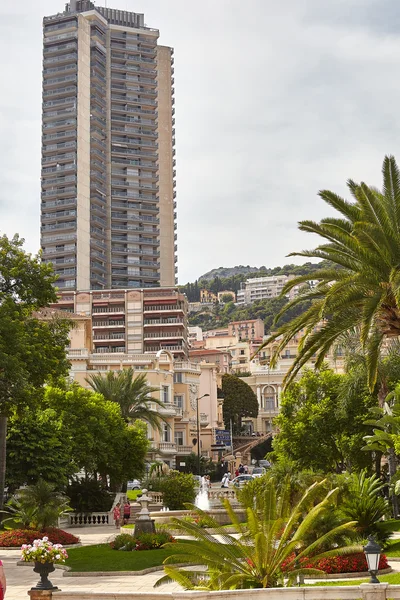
<point x="198" y="431"/>
<point x="372" y="553"/>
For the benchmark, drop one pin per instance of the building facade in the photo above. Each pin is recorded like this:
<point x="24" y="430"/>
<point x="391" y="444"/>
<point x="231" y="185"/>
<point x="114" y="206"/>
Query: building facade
<point x="263" y="288"/>
<point x="132" y="321"/>
<point x="179" y="384"/>
<point x="108" y="215"/>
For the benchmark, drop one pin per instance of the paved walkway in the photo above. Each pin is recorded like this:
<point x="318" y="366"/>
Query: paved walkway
<point x="21" y="578"/>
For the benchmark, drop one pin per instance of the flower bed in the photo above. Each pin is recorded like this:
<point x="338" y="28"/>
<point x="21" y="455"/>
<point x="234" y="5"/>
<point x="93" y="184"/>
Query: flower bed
<point x="143" y="541"/>
<point x="350" y="563"/>
<point x="17" y="537"/>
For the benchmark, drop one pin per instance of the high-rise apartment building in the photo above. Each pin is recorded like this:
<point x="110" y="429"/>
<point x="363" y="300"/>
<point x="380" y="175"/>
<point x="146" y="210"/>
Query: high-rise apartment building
<point x="108" y="215"/>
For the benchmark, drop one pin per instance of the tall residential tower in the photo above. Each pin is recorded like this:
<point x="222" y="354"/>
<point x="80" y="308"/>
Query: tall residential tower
<point x="108" y="215"/>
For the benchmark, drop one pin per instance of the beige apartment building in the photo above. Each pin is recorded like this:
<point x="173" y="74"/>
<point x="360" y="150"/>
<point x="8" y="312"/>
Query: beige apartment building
<point x="132" y="321"/>
<point x="108" y="212"/>
<point x="264" y="288"/>
<point x="267" y="382"/>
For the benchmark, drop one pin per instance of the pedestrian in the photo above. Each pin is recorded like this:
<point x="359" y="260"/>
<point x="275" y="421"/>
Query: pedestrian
<point x="225" y="480"/>
<point x="241" y="469"/>
<point x="237" y="473"/>
<point x="3" y="583"/>
<point x="117" y="514"/>
<point x="127" y="512"/>
<point x="246" y="469"/>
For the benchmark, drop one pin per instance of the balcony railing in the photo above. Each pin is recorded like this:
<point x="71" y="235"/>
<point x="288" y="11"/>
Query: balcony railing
<point x="185" y="450"/>
<point x="110" y="323"/>
<point x="162" y="334"/>
<point x="162" y="307"/>
<point x="167" y="447"/>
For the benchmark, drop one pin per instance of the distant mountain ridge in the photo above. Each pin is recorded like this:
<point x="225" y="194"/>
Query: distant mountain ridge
<point x="231" y="271"/>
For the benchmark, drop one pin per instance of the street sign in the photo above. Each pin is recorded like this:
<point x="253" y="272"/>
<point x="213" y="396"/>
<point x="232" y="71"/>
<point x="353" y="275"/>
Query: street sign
<point x="222" y="436"/>
<point x="218" y="447"/>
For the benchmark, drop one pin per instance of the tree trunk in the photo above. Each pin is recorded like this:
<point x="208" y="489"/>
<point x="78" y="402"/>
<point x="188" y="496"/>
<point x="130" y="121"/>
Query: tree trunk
<point x="3" y="433"/>
<point x="392" y="472"/>
<point x="378" y="461"/>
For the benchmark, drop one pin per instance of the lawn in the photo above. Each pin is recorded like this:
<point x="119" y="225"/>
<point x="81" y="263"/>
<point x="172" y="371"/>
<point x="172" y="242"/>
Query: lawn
<point x="392" y="578"/>
<point x="393" y="549"/>
<point x="133" y="494"/>
<point x="104" y="558"/>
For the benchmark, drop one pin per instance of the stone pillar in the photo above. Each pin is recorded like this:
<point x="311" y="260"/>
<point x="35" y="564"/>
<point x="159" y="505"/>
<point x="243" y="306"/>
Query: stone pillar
<point x="40" y="594"/>
<point x="259" y="396"/>
<point x="374" y="591"/>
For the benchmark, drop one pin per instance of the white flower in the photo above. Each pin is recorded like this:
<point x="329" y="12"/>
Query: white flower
<point x="45" y="539"/>
<point x="58" y="556"/>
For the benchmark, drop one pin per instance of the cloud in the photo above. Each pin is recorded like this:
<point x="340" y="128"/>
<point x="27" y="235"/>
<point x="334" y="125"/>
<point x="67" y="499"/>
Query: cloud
<point x="273" y="103"/>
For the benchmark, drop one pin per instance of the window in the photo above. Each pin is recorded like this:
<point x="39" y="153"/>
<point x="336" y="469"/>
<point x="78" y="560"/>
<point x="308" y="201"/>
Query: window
<point x="165" y="394"/>
<point x="179" y="438"/>
<point x="166" y="434"/>
<point x="178" y="378"/>
<point x="178" y="400"/>
<point x="269" y="398"/>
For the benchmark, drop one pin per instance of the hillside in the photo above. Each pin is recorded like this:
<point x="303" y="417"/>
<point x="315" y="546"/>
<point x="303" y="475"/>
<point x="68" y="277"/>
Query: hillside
<point x="221" y="315"/>
<point x="229" y="272"/>
<point x="232" y="282"/>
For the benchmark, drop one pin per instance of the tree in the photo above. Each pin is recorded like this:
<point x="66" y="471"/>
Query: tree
<point x="239" y="401"/>
<point x="314" y="426"/>
<point x="178" y="489"/>
<point x="386" y="434"/>
<point x="38" y="447"/>
<point x="225" y="298"/>
<point x="132" y="393"/>
<point x="270" y="547"/>
<point x="362" y="287"/>
<point x="365" y="504"/>
<point x="31" y="351"/>
<point x="100" y="439"/>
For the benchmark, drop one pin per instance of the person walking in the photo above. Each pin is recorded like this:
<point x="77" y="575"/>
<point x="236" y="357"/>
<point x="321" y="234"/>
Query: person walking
<point x="225" y="480"/>
<point x="3" y="583"/>
<point x="127" y="512"/>
<point x="117" y="514"/>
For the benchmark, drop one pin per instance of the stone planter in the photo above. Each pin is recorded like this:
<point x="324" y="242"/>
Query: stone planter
<point x="44" y="570"/>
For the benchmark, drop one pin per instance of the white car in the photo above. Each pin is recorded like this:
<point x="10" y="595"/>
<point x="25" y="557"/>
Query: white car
<point x="241" y="480"/>
<point x="134" y="485"/>
<point x="258" y="472"/>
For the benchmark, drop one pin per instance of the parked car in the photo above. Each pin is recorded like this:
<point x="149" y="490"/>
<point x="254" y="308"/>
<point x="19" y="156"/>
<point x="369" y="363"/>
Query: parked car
<point x="258" y="472"/>
<point x="241" y="480"/>
<point x="134" y="485"/>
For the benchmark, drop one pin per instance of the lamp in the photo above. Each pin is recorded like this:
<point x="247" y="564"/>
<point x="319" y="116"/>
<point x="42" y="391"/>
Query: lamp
<point x="372" y="553"/>
<point x="198" y="431"/>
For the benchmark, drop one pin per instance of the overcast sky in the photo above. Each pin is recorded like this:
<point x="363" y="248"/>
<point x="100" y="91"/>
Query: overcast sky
<point x="273" y="103"/>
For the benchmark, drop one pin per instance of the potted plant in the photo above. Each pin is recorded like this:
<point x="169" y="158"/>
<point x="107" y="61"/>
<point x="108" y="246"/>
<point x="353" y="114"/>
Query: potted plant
<point x="45" y="555"/>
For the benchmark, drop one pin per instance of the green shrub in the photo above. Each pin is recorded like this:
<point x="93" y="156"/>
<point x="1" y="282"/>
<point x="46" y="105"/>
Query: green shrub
<point x="143" y="541"/>
<point x="178" y="489"/>
<point x="88" y="495"/>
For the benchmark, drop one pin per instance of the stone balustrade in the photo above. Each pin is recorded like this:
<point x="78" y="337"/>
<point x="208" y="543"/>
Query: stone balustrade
<point x="156" y="497"/>
<point x="365" y="591"/>
<point x="89" y="519"/>
<point x="218" y="495"/>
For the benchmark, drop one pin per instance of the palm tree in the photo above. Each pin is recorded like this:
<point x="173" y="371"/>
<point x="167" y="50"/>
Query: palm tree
<point x="360" y="286"/>
<point x="270" y="548"/>
<point x="38" y="505"/>
<point x="131" y="392"/>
